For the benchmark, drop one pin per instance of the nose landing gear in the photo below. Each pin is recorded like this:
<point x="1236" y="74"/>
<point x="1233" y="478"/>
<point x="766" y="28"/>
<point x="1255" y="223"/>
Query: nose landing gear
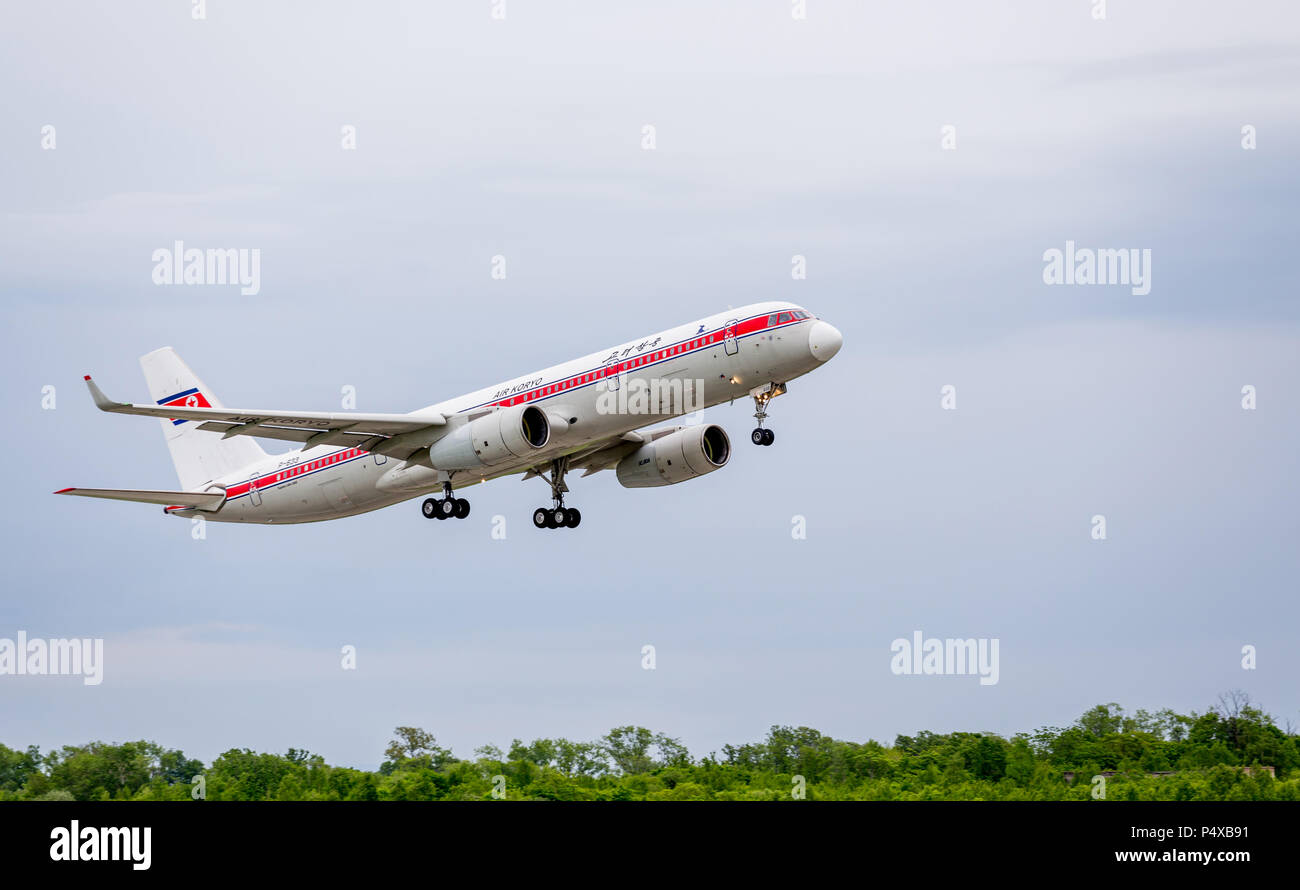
<point x="762" y="395"/>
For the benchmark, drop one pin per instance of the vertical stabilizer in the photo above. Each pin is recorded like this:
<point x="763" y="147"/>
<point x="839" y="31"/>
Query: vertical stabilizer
<point x="199" y="456"/>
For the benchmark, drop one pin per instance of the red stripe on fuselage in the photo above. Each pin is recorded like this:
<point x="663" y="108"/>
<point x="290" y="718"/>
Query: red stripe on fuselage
<point x="287" y="474"/>
<point x="703" y="341"/>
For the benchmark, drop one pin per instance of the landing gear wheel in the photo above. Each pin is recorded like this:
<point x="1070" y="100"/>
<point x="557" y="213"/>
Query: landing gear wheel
<point x="462" y="508"/>
<point x="429" y="508"/>
<point x="446" y="508"/>
<point x="558" y="516"/>
<point x="762" y="395"/>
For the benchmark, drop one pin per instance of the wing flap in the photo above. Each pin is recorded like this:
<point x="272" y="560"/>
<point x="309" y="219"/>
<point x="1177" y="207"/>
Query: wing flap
<point x="602" y="454"/>
<point x="261" y="432"/>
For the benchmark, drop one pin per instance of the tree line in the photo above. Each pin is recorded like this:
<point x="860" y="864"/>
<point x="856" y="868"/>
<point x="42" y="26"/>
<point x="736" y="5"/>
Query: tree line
<point x="1215" y="755"/>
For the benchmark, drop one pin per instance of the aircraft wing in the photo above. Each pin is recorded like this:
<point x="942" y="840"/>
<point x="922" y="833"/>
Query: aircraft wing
<point x="373" y="432"/>
<point x="605" y="453"/>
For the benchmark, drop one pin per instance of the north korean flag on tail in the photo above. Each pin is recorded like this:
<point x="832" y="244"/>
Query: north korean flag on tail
<point x="191" y="398"/>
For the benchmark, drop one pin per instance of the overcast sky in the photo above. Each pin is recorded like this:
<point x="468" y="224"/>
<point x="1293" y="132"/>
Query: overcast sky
<point x="774" y="136"/>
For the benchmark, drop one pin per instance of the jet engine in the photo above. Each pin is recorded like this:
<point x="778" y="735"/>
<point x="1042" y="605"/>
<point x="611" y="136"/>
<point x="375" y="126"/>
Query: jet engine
<point x="689" y="452"/>
<point x="499" y="437"/>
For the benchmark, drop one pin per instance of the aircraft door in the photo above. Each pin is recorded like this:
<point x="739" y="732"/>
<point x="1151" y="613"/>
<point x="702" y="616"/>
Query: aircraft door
<point x="729" y="344"/>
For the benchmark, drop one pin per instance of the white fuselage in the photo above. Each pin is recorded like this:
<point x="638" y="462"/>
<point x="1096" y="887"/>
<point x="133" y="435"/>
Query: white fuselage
<point x="729" y="354"/>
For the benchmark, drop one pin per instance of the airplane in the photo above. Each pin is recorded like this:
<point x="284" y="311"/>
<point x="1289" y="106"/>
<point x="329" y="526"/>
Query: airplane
<point x="580" y="415"/>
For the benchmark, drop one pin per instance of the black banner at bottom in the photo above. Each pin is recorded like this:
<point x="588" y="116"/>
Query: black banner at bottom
<point x="213" y="839"/>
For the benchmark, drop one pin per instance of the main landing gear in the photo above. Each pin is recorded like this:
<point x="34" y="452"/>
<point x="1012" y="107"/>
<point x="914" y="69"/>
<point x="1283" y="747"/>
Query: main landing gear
<point x="762" y="395"/>
<point x="446" y="507"/>
<point x="558" y="516"/>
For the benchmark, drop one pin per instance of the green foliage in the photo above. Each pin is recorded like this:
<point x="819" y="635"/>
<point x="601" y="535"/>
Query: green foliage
<point x="1206" y="756"/>
<point x="16" y="767"/>
<point x="98" y="771"/>
<point x="414" y="749"/>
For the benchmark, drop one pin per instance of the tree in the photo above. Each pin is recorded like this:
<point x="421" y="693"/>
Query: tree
<point x="570" y="758"/>
<point x="987" y="758"/>
<point x="802" y="750"/>
<point x="629" y="749"/>
<point x="1102" y="720"/>
<point x="633" y="763"/>
<point x="489" y="752"/>
<point x="175" y="768"/>
<point x="246" y="775"/>
<point x="1020" y="762"/>
<point x="540" y="752"/>
<point x="98" y="771"/>
<point x="16" y="767"/>
<point x="1233" y="706"/>
<point x="415" y="748"/>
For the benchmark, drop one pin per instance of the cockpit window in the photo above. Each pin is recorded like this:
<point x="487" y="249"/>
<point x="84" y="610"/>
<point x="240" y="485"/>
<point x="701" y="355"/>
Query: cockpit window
<point x="771" y="320"/>
<point x="783" y="318"/>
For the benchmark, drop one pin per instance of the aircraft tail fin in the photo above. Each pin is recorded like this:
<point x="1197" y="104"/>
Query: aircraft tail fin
<point x="199" y="456"/>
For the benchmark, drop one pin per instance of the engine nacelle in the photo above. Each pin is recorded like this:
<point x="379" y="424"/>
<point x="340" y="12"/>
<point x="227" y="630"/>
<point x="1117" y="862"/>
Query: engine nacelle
<point x="691" y="451"/>
<point x="499" y="437"/>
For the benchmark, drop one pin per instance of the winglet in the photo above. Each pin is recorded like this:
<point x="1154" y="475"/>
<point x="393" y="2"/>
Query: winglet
<point x="102" y="402"/>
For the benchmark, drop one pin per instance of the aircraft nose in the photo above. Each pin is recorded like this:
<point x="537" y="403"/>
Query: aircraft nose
<point x="824" y="340"/>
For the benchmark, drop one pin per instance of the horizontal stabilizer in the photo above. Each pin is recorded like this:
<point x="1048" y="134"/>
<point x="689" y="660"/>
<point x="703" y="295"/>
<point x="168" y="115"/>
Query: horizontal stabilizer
<point x="200" y="500"/>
